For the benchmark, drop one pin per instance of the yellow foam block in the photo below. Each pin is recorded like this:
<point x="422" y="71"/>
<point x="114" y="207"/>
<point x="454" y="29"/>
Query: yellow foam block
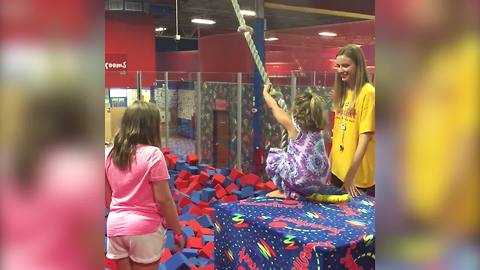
<point x="317" y="197"/>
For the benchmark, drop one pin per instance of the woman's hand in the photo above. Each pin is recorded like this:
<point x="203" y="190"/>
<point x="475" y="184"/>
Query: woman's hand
<point x="350" y="188"/>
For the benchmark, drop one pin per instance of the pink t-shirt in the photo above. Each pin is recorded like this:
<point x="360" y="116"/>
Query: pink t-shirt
<point x="133" y="210"/>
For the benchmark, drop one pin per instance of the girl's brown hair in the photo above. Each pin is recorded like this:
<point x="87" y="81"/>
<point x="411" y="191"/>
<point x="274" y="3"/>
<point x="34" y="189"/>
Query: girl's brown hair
<point x="308" y="112"/>
<point x="361" y="77"/>
<point x="140" y="125"/>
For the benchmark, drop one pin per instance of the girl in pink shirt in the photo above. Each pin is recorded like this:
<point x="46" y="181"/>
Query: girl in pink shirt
<point x="137" y="192"/>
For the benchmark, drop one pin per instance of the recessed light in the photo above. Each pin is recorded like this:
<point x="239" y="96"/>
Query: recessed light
<point x="203" y="21"/>
<point x="160" y="29"/>
<point x="245" y="12"/>
<point x="271" y="39"/>
<point x="327" y="34"/>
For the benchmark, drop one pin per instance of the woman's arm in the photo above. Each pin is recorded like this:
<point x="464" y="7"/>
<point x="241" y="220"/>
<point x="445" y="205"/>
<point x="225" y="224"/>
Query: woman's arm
<point x="282" y="117"/>
<point x="348" y="183"/>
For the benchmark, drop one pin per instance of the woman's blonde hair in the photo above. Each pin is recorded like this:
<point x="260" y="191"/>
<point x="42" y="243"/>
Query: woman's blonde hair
<point x="308" y="112"/>
<point x="355" y="53"/>
<point x="140" y="125"/>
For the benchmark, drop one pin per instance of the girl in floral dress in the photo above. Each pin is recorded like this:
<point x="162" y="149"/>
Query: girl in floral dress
<point x="304" y="168"/>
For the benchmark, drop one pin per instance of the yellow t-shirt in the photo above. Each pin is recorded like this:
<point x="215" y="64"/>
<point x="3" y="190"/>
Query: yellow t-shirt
<point x="358" y="118"/>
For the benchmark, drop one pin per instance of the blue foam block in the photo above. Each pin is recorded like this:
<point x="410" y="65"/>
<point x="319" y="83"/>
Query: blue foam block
<point x="205" y="221"/>
<point x="203" y="261"/>
<point x="195" y="197"/>
<point x="190" y="252"/>
<point x="207" y="238"/>
<point x="247" y="191"/>
<point x="237" y="182"/>
<point x="193" y="169"/>
<point x="171" y="181"/>
<point x="194" y="260"/>
<point x="260" y="193"/>
<point x="227" y="181"/>
<point x="178" y="262"/>
<point x="238" y="193"/>
<point x="186" y="217"/>
<point x="181" y="165"/>
<point x="170" y="243"/>
<point x="225" y="171"/>
<point x="162" y="267"/>
<point x="186" y="208"/>
<point x="188" y="232"/>
<point x="211" y="172"/>
<point x="202" y="166"/>
<point x="207" y="194"/>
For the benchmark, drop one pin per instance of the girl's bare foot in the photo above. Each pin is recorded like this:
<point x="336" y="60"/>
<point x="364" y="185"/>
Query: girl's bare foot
<point x="276" y="194"/>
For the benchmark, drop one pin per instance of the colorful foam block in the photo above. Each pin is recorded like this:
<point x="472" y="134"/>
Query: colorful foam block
<point x="225" y="171"/>
<point x="260" y="193"/>
<point x="194" y="242"/>
<point x="207" y="194"/>
<point x="185" y="174"/>
<point x="247" y="192"/>
<point x="270" y="185"/>
<point x="192" y="159"/>
<point x="190" y="252"/>
<point x="165" y="151"/>
<point x="203" y="204"/>
<point x="184" y="201"/>
<point x="220" y="191"/>
<point x="205" y="221"/>
<point x="194" y="169"/>
<point x="259" y="185"/>
<point x="211" y="172"/>
<point x="169" y="243"/>
<point x="186" y="217"/>
<point x="231" y="188"/>
<point x="195" y="210"/>
<point x="237" y="193"/>
<point x="250" y="179"/>
<point x="207" y="250"/>
<point x="207" y="267"/>
<point x="203" y="177"/>
<point x="207" y="231"/>
<point x="210" y="212"/>
<point x="203" y="261"/>
<point x="195" y="196"/>
<point x="236" y="174"/>
<point x="218" y="179"/>
<point x="178" y="262"/>
<point x="230" y="198"/>
<point x="166" y="254"/>
<point x="194" y="225"/>
<point x="207" y="238"/>
<point x="162" y="267"/>
<point x="186" y="209"/>
<point x="188" y="232"/>
<point x="181" y="165"/>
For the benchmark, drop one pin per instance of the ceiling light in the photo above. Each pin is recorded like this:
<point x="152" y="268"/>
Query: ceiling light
<point x="203" y="21"/>
<point x="245" y="12"/>
<point x="160" y="29"/>
<point x="271" y="39"/>
<point x="327" y="34"/>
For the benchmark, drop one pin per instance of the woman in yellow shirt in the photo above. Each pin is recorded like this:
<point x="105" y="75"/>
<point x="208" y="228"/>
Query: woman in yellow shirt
<point x="353" y="143"/>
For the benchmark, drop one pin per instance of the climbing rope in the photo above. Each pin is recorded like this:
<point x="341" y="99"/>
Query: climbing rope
<point x="277" y="95"/>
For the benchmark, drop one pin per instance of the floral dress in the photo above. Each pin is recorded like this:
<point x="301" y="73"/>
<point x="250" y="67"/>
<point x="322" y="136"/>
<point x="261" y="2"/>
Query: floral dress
<point x="304" y="168"/>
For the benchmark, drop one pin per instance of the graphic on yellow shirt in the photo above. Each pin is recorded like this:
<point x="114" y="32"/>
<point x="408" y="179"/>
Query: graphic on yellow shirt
<point x="352" y="120"/>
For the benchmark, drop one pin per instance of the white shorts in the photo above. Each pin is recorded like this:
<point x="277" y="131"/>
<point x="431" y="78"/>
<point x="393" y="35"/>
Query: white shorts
<point x="145" y="248"/>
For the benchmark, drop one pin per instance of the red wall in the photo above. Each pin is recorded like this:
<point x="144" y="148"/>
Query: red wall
<point x="134" y="36"/>
<point x="185" y="61"/>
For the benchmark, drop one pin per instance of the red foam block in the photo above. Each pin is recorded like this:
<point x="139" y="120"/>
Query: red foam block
<point x="194" y="242"/>
<point x="220" y="191"/>
<point x="231" y="188"/>
<point x="207" y="250"/>
<point x="235" y="174"/>
<point x="165" y="255"/>
<point x="165" y="151"/>
<point x="184" y="174"/>
<point x="270" y="185"/>
<point x="192" y="159"/>
<point x="218" y="179"/>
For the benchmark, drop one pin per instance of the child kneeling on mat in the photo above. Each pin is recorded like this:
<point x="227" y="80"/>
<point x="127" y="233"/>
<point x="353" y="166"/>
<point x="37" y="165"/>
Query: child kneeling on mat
<point x="304" y="168"/>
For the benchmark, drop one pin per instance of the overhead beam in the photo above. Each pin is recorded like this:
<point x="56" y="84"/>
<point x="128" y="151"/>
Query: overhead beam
<point x="319" y="11"/>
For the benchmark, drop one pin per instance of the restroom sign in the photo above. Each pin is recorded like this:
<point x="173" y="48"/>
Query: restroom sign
<point x="115" y="62"/>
